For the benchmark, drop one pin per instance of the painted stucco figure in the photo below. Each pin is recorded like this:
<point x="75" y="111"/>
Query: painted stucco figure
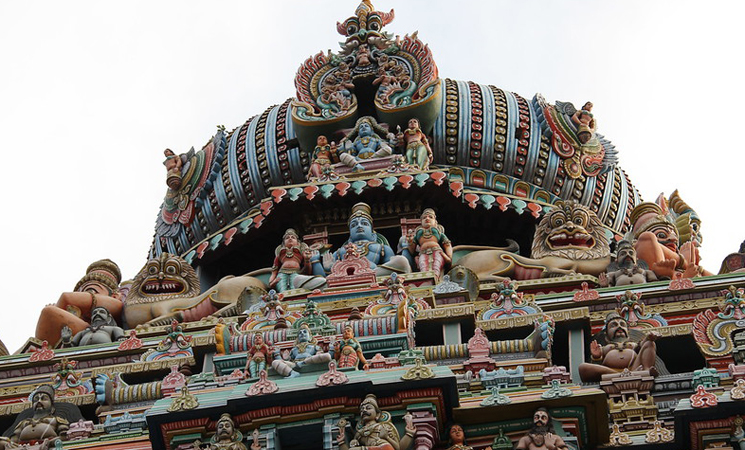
<point x="657" y="243"/>
<point x="433" y="249"/>
<point x="102" y="330"/>
<point x="305" y="351"/>
<point x="292" y="268"/>
<point x="227" y="436"/>
<point x="258" y="356"/>
<point x="173" y="163"/>
<point x="569" y="239"/>
<point x="374" y="430"/>
<point x="167" y="288"/>
<point x="44" y="423"/>
<point x="324" y="154"/>
<point x="348" y="350"/>
<point x="626" y="269"/>
<point x="542" y="435"/>
<point x="417" y="150"/>
<point x="364" y="142"/>
<point x="617" y="347"/>
<point x="373" y="246"/>
<point x="99" y="287"/>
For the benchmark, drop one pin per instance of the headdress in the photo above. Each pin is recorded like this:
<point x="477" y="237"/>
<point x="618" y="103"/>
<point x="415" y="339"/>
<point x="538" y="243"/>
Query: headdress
<point x="361" y="210"/>
<point x="104" y="271"/>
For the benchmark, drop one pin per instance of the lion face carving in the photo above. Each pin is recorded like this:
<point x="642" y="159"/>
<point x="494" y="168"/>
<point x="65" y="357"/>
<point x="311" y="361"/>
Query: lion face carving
<point x="163" y="278"/>
<point x="570" y="231"/>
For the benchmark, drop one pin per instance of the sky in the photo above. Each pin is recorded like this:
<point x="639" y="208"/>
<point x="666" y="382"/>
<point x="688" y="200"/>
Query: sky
<point x="92" y="92"/>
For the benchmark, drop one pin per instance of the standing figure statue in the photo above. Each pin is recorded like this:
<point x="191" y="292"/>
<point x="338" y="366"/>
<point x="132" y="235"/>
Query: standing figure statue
<point x="324" y="154"/>
<point x="173" y="164"/>
<point x="102" y="330"/>
<point x="99" y="287"/>
<point x="365" y="142"/>
<point x="434" y="248"/>
<point x="227" y="437"/>
<point x="370" y="244"/>
<point x="374" y="430"/>
<point x="348" y="350"/>
<point x="44" y="423"/>
<point x="305" y="351"/>
<point x="542" y="435"/>
<point x="291" y="261"/>
<point x="585" y="122"/>
<point x="617" y="348"/>
<point x="418" y="152"/>
<point x="257" y="356"/>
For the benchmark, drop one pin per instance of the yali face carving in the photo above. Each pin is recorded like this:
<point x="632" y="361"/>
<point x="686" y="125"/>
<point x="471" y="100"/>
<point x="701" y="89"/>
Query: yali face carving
<point x="165" y="276"/>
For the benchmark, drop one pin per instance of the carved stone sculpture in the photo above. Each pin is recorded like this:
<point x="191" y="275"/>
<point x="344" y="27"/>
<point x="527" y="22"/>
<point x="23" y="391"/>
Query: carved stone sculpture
<point x="542" y="435"/>
<point x="569" y="239"/>
<point x="617" y="348"/>
<point x="374" y="430"/>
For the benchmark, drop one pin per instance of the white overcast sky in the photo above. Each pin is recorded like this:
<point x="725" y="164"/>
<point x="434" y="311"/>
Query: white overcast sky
<point x="92" y="92"/>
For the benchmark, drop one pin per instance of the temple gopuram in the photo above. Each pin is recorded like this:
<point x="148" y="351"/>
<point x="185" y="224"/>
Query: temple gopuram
<point x="395" y="260"/>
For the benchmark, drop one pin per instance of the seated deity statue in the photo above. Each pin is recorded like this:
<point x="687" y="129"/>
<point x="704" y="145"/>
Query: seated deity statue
<point x="418" y="152"/>
<point x="292" y="268"/>
<point x="99" y="287"/>
<point x="626" y="270"/>
<point x="433" y="249"/>
<point x="102" y="330"/>
<point x="227" y="436"/>
<point x="370" y="244"/>
<point x="365" y="142"/>
<point x="42" y="424"/>
<point x="542" y="435"/>
<point x="656" y="242"/>
<point x="617" y="348"/>
<point x="305" y="351"/>
<point x="374" y="430"/>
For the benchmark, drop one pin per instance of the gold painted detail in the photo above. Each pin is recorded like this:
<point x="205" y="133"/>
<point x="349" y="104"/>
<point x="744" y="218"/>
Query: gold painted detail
<point x="418" y="372"/>
<point x="527" y="320"/>
<point x="184" y="402"/>
<point x="465" y="309"/>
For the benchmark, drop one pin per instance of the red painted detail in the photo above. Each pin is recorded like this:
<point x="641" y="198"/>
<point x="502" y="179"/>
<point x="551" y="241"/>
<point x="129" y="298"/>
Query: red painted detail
<point x="310" y="192"/>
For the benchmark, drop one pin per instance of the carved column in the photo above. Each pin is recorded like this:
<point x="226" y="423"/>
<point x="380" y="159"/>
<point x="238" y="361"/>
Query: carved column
<point x="330" y="431"/>
<point x="425" y="422"/>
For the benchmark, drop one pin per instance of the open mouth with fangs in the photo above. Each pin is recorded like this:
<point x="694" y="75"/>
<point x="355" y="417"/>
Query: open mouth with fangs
<point x="575" y="240"/>
<point x="156" y="287"/>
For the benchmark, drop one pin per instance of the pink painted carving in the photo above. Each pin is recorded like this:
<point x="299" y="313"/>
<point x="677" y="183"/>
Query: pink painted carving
<point x="263" y="386"/>
<point x="332" y="377"/>
<point x="678" y="283"/>
<point x="586" y="293"/>
<point x="702" y="398"/>
<point x="43" y="354"/>
<point x="173" y="382"/>
<point x="131" y="343"/>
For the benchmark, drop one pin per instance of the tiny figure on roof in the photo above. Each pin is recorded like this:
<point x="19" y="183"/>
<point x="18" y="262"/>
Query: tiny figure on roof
<point x="291" y="261"/>
<point x="173" y="165"/>
<point x="585" y="122"/>
<point x="365" y="142"/>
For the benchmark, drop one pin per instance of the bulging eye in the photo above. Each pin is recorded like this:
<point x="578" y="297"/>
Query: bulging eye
<point x="661" y="235"/>
<point x="374" y="23"/>
<point x="152" y="270"/>
<point x="557" y="221"/>
<point x="171" y="270"/>
<point x="352" y="26"/>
